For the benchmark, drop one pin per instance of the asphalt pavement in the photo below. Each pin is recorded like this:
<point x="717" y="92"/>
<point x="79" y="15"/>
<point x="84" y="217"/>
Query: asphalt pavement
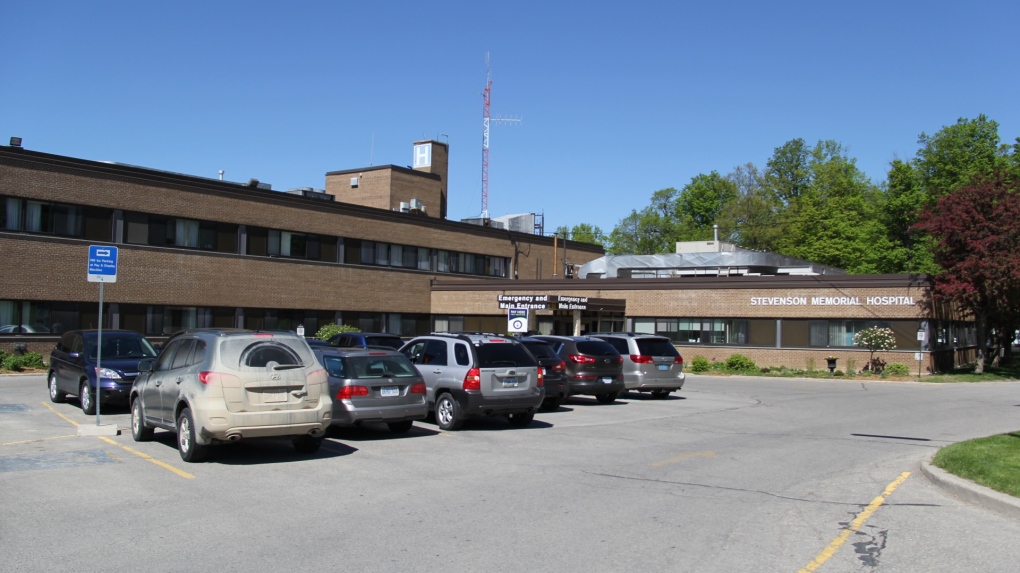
<point x="732" y="474"/>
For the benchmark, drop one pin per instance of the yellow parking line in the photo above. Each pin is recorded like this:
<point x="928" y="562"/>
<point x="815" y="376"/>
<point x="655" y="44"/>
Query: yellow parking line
<point x="147" y="457"/>
<point x="855" y="525"/>
<point x="73" y="423"/>
<point x="683" y="457"/>
<point x="39" y="440"/>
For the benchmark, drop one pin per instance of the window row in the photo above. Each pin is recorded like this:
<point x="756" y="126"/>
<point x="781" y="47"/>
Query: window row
<point x="95" y="223"/>
<point x="30" y="317"/>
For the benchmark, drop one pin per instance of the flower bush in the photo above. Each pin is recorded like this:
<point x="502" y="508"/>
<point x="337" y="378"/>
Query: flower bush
<point x="328" y="330"/>
<point x="875" y="339"/>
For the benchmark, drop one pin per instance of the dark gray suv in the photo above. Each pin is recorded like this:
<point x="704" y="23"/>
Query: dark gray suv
<point x="594" y="367"/>
<point x="469" y="374"/>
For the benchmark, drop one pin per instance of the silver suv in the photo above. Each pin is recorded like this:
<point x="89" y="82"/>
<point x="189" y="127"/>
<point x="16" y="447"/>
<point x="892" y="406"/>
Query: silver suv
<point x="477" y="374"/>
<point x="650" y="363"/>
<point x="216" y="386"/>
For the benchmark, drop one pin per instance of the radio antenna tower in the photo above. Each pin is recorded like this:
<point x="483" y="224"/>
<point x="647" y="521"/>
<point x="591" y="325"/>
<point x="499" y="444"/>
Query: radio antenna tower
<point x="486" y="120"/>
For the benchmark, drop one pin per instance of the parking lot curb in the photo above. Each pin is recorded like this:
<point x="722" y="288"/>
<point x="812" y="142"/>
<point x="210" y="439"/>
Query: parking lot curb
<point x="970" y="491"/>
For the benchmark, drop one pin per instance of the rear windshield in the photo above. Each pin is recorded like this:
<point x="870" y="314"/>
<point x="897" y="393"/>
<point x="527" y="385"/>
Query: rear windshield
<point x="656" y="347"/>
<point x="393" y="342"/>
<point x="119" y="346"/>
<point x="596" y="348"/>
<point x="541" y="350"/>
<point x="260" y="351"/>
<point x="496" y="354"/>
<point x="619" y="344"/>
<point x="390" y="366"/>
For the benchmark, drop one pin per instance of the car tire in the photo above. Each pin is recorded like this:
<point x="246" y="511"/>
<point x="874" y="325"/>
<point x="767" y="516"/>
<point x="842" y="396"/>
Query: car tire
<point x="57" y="396"/>
<point x="660" y="394"/>
<point x="607" y="398"/>
<point x="88" y="401"/>
<point x="190" y="450"/>
<point x="139" y="431"/>
<point x="307" y="444"/>
<point x="552" y="404"/>
<point x="520" y="420"/>
<point x="401" y="427"/>
<point x="449" y="415"/>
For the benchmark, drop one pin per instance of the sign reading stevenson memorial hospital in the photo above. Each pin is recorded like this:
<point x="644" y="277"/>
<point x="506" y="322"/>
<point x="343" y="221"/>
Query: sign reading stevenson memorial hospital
<point x="832" y="301"/>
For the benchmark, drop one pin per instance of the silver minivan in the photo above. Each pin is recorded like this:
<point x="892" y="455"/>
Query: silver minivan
<point x="650" y="362"/>
<point x="469" y="374"/>
<point x="217" y="386"/>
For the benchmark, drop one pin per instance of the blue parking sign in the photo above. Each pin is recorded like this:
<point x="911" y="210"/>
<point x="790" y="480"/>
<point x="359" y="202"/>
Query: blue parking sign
<point x="102" y="264"/>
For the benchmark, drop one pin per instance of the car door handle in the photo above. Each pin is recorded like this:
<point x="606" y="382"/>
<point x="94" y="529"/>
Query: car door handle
<point x="179" y="379"/>
<point x="159" y="383"/>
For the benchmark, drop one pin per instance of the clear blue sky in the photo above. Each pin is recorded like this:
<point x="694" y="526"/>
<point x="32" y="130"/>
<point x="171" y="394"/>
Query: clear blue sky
<point x="618" y="100"/>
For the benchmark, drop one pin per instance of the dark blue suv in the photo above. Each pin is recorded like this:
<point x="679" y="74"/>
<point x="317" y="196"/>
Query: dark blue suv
<point x="72" y="367"/>
<point x="366" y="340"/>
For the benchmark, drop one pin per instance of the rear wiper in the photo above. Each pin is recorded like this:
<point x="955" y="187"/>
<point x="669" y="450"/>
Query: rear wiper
<point x="287" y="366"/>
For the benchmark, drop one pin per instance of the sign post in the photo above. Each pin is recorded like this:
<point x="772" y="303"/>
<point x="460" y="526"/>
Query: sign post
<point x="102" y="269"/>
<point x="517" y="320"/>
<point x="920" y="348"/>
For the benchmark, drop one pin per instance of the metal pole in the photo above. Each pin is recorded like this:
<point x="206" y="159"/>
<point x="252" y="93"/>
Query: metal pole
<point x="99" y="351"/>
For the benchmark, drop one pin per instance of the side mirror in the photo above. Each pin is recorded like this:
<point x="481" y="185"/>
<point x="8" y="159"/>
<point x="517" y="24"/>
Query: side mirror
<point x="74" y="354"/>
<point x="146" y="365"/>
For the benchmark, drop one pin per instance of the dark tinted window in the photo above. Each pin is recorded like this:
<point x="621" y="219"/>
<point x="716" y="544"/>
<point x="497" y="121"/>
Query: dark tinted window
<point x="334" y="366"/>
<point x="656" y="347"/>
<point x="393" y="342"/>
<point x="541" y="350"/>
<point x="503" y="354"/>
<point x="117" y="346"/>
<point x="390" y="366"/>
<point x="596" y="348"/>
<point x="167" y="355"/>
<point x="619" y="344"/>
<point x="199" y="354"/>
<point x="183" y="351"/>
<point x="461" y="354"/>
<point x="260" y="354"/>
<point x="434" y="352"/>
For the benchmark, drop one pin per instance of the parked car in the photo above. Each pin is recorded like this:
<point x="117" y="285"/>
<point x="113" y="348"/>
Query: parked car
<point x="366" y="340"/>
<point x="373" y="385"/>
<point x="593" y="366"/>
<point x="650" y="363"/>
<point x="554" y="372"/>
<point x="217" y="386"/>
<point x="469" y="374"/>
<point x="72" y="368"/>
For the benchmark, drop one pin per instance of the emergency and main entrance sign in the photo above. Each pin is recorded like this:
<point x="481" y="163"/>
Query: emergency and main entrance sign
<point x="517" y="320"/>
<point x="102" y="264"/>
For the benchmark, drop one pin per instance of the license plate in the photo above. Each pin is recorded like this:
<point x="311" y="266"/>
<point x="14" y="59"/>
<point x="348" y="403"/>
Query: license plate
<point x="607" y="380"/>
<point x="389" y="391"/>
<point x="509" y="382"/>
<point x="274" y="397"/>
<point x="663" y="366"/>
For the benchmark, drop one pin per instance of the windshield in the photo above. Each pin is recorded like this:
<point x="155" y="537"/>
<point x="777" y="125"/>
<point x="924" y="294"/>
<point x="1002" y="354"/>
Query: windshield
<point x="120" y="347"/>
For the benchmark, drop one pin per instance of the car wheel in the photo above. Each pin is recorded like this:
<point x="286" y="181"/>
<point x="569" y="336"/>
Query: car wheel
<point x="660" y="394"/>
<point x="551" y="404"/>
<point x="607" y="398"/>
<point x="449" y="416"/>
<point x="139" y="431"/>
<point x="88" y="402"/>
<point x="521" y="420"/>
<point x="401" y="427"/>
<point x="56" y="396"/>
<point x="307" y="444"/>
<point x="191" y="451"/>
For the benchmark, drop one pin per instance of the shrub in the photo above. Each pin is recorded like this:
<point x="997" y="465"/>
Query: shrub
<point x="897" y="369"/>
<point x="19" y="363"/>
<point x="875" y="339"/>
<point x="3" y="356"/>
<point x="740" y="363"/>
<point x="329" y="330"/>
<point x="838" y="373"/>
<point x="700" y="364"/>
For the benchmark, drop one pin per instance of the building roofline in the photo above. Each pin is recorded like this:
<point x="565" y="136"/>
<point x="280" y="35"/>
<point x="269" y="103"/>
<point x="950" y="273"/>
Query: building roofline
<point x="405" y="170"/>
<point x="19" y="157"/>
<point x="692" y="283"/>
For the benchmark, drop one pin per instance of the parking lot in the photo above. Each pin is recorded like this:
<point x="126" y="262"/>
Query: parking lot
<point x="734" y="474"/>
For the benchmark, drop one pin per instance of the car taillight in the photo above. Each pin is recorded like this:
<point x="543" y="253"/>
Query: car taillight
<point x="641" y="359"/>
<point x="561" y="366"/>
<point x="218" y="379"/>
<point x="581" y="359"/>
<point x="473" y="379"/>
<point x="541" y="376"/>
<point x="348" y="392"/>
<point x="678" y="360"/>
<point x="619" y="359"/>
<point x="418" y="388"/>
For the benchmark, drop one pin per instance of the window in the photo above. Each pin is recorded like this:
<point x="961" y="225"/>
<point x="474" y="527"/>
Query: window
<point x="261" y="354"/>
<point x="183" y="351"/>
<point x="461" y="355"/>
<point x="160" y="231"/>
<point x="59" y="219"/>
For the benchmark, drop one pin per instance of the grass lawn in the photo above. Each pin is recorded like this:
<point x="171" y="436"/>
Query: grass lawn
<point x="992" y="462"/>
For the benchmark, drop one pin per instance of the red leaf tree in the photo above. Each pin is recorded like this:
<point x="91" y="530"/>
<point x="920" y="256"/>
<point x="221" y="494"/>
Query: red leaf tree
<point x="976" y="234"/>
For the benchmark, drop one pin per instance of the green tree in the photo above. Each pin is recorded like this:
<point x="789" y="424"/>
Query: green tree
<point x="699" y="205"/>
<point x="787" y="172"/>
<point x="586" y="233"/>
<point x="955" y="154"/>
<point x="751" y="219"/>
